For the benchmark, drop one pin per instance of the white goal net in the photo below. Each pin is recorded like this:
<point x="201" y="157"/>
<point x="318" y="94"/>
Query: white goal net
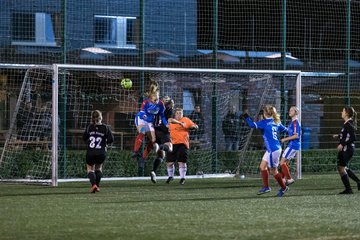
<point x="55" y="104"/>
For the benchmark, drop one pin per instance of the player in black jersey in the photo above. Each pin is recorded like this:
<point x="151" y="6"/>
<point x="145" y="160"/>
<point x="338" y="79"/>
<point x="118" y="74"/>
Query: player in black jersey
<point x="346" y="148"/>
<point x="97" y="136"/>
<point x="163" y="135"/>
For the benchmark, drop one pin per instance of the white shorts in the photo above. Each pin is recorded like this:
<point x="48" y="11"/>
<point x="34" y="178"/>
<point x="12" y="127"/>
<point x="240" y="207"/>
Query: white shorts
<point x="272" y="158"/>
<point x="146" y="126"/>
<point x="289" y="153"/>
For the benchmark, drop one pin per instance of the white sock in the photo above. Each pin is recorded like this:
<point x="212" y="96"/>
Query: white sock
<point x="182" y="170"/>
<point x="171" y="170"/>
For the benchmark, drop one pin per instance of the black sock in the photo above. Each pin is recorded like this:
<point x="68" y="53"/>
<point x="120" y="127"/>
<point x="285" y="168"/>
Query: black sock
<point x="98" y="175"/>
<point x="346" y="182"/>
<point x="352" y="175"/>
<point x="92" y="178"/>
<point x="157" y="163"/>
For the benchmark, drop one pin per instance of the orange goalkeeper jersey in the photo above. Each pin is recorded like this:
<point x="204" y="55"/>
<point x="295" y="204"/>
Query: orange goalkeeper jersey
<point x="180" y="134"/>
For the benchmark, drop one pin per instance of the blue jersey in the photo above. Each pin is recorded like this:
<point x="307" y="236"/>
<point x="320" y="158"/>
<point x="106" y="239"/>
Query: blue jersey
<point x="269" y="130"/>
<point x="294" y="127"/>
<point x="149" y="110"/>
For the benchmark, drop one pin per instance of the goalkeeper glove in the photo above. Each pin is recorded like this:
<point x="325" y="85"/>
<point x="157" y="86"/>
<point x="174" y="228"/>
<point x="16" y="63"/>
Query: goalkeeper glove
<point x="244" y="116"/>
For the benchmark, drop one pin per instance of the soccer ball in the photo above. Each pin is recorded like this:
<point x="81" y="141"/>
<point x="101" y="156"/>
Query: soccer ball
<point x="126" y="83"/>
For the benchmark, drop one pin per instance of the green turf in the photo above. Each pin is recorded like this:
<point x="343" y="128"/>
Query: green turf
<point x="201" y="209"/>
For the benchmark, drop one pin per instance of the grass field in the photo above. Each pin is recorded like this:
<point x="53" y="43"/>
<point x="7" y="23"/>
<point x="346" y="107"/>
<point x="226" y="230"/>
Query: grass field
<point x="201" y="209"/>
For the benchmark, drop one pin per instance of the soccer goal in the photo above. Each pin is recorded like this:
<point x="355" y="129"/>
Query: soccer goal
<point x="54" y="106"/>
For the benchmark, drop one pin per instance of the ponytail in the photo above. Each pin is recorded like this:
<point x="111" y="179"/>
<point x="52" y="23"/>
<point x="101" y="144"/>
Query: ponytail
<point x="153" y="89"/>
<point x="352" y="114"/>
<point x="271" y="111"/>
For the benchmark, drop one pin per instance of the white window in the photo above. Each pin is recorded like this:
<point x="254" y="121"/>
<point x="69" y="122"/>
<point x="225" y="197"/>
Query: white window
<point x="188" y="101"/>
<point x="114" y="32"/>
<point x="32" y="29"/>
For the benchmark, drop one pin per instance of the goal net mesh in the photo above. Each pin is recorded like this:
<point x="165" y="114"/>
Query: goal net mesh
<point x="27" y="151"/>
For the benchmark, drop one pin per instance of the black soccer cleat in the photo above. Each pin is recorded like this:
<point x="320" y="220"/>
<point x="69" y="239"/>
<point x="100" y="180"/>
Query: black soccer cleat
<point x="346" y="191"/>
<point x="94" y="189"/>
<point x="169" y="180"/>
<point x="182" y="181"/>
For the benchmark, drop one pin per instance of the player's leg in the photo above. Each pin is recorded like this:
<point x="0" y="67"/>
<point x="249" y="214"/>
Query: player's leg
<point x="349" y="153"/>
<point x="167" y="146"/>
<point x="182" y="171"/>
<point x="265" y="174"/>
<point x="353" y="176"/>
<point x="90" y="168"/>
<point x="170" y="167"/>
<point x="98" y="175"/>
<point x="91" y="174"/>
<point x="164" y="141"/>
<point x="98" y="170"/>
<point x="273" y="166"/>
<point x="160" y="155"/>
<point x="345" y="180"/>
<point x="284" y="164"/>
<point x="141" y="127"/>
<point x="170" y="164"/>
<point x="152" y="142"/>
<point x="149" y="146"/>
<point x="182" y="159"/>
<point x="157" y="162"/>
<point x="341" y="165"/>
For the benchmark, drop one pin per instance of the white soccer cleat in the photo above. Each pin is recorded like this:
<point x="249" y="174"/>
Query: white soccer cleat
<point x="289" y="182"/>
<point x="153" y="176"/>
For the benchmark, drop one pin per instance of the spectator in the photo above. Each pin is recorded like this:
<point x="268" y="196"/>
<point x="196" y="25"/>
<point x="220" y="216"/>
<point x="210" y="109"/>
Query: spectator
<point x="231" y="127"/>
<point x="197" y="117"/>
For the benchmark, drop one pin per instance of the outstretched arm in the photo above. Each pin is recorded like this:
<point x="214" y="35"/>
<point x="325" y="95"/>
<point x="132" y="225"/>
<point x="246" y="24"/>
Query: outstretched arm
<point x="250" y="122"/>
<point x="173" y="120"/>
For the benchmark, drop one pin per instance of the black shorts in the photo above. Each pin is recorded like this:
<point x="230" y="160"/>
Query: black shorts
<point x="162" y="137"/>
<point x="180" y="153"/>
<point x="344" y="157"/>
<point x="95" y="159"/>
